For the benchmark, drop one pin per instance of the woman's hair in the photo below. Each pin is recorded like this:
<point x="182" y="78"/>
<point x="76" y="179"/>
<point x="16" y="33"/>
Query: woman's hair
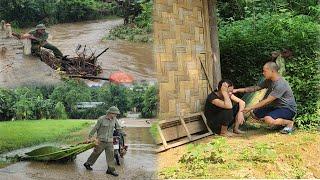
<point x="225" y="80"/>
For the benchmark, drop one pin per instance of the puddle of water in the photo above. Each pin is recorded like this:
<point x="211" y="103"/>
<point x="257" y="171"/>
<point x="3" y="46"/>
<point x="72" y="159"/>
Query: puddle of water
<point x="138" y="163"/>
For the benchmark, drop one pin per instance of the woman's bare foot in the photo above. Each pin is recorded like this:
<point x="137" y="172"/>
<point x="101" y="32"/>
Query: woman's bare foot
<point x="227" y="134"/>
<point x="237" y="131"/>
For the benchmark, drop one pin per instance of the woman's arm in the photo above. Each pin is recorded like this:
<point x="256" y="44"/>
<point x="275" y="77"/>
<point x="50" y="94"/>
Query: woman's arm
<point x="241" y="103"/>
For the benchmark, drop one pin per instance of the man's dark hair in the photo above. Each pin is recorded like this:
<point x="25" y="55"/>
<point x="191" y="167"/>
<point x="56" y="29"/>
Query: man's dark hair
<point x="225" y="80"/>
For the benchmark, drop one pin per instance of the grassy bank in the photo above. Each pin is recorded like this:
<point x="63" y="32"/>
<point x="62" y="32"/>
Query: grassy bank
<point x="260" y="154"/>
<point x="18" y="134"/>
<point x="126" y="32"/>
<point x="140" y="30"/>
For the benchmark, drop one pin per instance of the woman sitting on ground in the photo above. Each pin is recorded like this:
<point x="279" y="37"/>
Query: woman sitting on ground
<point x="220" y="112"/>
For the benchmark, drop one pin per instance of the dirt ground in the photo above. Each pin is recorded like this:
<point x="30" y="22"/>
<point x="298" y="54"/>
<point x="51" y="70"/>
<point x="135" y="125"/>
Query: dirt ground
<point x="301" y="147"/>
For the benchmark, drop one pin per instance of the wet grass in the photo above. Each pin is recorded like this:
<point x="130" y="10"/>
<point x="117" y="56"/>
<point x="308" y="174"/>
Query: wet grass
<point x="154" y="131"/>
<point x="19" y="134"/>
<point x="126" y="32"/>
<point x="262" y="153"/>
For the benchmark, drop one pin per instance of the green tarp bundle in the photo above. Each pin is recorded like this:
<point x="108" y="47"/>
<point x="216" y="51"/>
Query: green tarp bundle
<point x="52" y="153"/>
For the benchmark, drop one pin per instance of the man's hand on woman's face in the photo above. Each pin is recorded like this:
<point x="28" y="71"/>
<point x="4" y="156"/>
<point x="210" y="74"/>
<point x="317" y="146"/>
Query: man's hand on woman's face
<point x="235" y="91"/>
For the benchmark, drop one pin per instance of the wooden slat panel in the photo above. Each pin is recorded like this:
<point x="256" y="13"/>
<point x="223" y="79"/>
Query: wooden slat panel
<point x="180" y="38"/>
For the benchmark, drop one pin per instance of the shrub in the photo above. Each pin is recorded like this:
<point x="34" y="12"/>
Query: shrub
<point x="246" y="45"/>
<point x="60" y="111"/>
<point x="7" y="101"/>
<point x="70" y="93"/>
<point x="30" y="104"/>
<point x="136" y="97"/>
<point x="150" y="102"/>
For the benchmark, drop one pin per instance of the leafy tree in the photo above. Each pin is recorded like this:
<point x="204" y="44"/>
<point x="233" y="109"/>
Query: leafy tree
<point x="150" y="102"/>
<point x="7" y="101"/>
<point x="60" y="111"/>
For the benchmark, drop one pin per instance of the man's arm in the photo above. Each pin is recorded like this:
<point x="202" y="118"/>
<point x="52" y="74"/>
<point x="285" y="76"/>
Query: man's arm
<point x="95" y="128"/>
<point x="248" y="89"/>
<point x="262" y="103"/>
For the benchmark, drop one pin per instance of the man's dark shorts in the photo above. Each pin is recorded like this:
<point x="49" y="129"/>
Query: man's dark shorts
<point x="275" y="113"/>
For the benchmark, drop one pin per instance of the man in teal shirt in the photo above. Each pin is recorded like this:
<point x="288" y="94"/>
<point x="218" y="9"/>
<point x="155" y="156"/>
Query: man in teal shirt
<point x="104" y="129"/>
<point x="39" y="38"/>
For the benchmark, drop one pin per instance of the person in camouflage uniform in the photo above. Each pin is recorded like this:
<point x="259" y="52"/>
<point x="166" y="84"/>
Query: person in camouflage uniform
<point x="104" y="129"/>
<point x="39" y="38"/>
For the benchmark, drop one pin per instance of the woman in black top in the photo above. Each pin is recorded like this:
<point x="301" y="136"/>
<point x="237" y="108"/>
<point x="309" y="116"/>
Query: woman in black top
<point x="219" y="110"/>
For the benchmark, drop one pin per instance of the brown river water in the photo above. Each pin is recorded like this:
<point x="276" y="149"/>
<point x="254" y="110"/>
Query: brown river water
<point x="133" y="58"/>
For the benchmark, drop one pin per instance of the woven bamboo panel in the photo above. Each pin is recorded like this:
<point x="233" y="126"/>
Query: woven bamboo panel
<point x="181" y="41"/>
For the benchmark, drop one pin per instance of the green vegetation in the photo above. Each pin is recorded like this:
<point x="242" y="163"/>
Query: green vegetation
<point x="26" y="13"/>
<point x="255" y="29"/>
<point x="18" y="134"/>
<point x="60" y="154"/>
<point x="154" y="131"/>
<point x="139" y="30"/>
<point x="268" y="156"/>
<point x="60" y="102"/>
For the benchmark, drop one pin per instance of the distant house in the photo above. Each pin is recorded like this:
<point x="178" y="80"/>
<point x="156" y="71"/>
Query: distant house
<point x="87" y="105"/>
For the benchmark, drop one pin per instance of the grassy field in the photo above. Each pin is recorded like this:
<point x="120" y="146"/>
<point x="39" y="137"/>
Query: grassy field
<point x="261" y="153"/>
<point x="18" y="134"/>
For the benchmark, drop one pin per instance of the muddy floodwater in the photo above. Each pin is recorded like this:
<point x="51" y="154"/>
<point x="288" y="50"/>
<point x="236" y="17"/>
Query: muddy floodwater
<point x="133" y="58"/>
<point x="138" y="163"/>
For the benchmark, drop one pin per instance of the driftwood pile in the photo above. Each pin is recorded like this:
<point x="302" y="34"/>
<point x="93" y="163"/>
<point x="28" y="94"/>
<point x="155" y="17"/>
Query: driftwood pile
<point x="84" y="64"/>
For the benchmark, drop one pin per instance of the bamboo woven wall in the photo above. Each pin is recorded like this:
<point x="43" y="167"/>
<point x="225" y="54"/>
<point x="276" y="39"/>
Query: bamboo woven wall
<point x="181" y="40"/>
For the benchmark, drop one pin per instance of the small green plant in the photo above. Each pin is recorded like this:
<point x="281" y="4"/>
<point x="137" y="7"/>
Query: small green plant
<point x="198" y="157"/>
<point x="261" y="152"/>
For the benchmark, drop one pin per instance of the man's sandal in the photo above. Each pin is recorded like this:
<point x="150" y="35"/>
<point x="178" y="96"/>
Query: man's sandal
<point x="286" y="130"/>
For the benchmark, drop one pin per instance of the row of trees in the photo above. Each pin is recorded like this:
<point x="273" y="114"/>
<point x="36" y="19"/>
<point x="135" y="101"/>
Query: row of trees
<point x="26" y="13"/>
<point x="61" y="101"/>
<point x="249" y="34"/>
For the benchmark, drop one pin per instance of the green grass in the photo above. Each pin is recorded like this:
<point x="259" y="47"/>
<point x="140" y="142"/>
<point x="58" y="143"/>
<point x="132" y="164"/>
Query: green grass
<point x="18" y="134"/>
<point x="154" y="131"/>
<point x="133" y="34"/>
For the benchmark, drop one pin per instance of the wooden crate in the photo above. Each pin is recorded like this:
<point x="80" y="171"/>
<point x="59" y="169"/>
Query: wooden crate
<point x="177" y="131"/>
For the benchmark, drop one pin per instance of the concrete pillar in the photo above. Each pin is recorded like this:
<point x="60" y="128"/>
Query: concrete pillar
<point x="8" y="30"/>
<point x="2" y="25"/>
<point x="26" y="46"/>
